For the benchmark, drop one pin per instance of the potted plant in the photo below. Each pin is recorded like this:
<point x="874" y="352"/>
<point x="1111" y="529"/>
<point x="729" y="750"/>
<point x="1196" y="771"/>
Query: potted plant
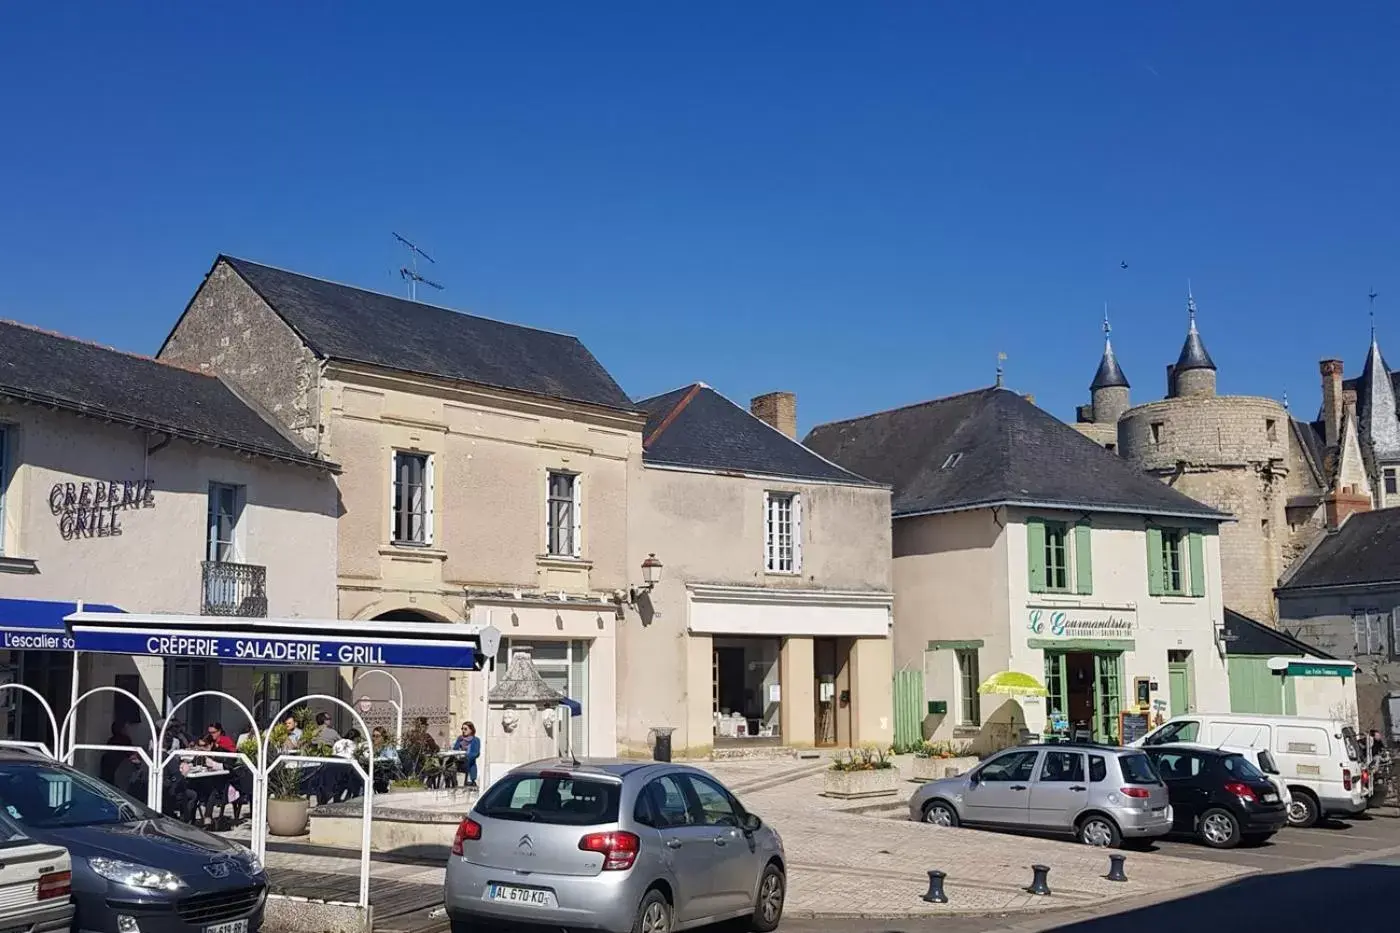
<point x="867" y="772"/>
<point x="288" y="807"/>
<point x="934" y="761"/>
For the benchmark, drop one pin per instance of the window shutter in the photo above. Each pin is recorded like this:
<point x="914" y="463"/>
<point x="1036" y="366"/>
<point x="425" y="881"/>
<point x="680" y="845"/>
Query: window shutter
<point x="1083" y="559"/>
<point x="1198" y="563"/>
<point x="548" y="547"/>
<point x="797" y="533"/>
<point x="428" y="497"/>
<point x="1155" y="584"/>
<point x="768" y="542"/>
<point x="578" y="515"/>
<point x="1035" y="553"/>
<point x="1395" y="633"/>
<point x="393" y="464"/>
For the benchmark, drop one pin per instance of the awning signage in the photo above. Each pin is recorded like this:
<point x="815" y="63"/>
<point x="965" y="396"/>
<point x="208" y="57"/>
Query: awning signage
<point x="37" y="624"/>
<point x="278" y="650"/>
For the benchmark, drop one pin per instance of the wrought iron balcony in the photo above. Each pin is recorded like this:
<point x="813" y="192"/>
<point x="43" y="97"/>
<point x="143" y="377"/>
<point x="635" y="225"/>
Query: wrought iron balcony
<point x="234" y="590"/>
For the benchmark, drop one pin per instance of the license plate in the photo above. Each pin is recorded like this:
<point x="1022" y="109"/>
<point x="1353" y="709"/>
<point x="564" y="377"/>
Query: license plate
<point x="530" y="897"/>
<point x="1271" y="798"/>
<point x="233" y="926"/>
<point x="1159" y="809"/>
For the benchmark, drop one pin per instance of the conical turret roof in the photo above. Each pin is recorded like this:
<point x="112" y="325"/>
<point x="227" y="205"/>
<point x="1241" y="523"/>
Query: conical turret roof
<point x="1193" y="351"/>
<point x="1110" y="374"/>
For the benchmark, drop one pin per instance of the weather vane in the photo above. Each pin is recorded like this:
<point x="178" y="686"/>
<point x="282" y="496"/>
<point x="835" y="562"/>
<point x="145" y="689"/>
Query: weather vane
<point x="1372" y="297"/>
<point x="1001" y="370"/>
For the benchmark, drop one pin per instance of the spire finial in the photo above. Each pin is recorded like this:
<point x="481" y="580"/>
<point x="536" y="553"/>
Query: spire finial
<point x="1001" y="370"/>
<point x="1285" y="400"/>
<point x="1107" y="328"/>
<point x="1191" y="306"/>
<point x="1372" y="298"/>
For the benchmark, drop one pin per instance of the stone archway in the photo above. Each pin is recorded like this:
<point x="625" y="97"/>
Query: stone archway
<point x="425" y="692"/>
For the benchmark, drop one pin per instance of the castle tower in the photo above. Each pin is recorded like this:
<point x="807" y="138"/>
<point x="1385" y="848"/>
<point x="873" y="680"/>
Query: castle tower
<point x="1109" y="390"/>
<point x="1193" y="376"/>
<point x="1379" y="425"/>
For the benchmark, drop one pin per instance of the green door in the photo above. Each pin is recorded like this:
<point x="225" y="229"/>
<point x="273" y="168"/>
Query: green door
<point x="1179" y="684"/>
<point x="1108" y="695"/>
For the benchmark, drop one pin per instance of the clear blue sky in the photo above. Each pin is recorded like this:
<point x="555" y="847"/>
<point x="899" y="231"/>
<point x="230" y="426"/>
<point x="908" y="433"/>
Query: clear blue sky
<point x="859" y="202"/>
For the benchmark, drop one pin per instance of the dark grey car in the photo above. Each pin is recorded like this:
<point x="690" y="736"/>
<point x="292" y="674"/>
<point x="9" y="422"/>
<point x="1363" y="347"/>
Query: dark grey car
<point x="134" y="871"/>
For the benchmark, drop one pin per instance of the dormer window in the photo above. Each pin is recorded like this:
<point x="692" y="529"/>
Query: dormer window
<point x="952" y="460"/>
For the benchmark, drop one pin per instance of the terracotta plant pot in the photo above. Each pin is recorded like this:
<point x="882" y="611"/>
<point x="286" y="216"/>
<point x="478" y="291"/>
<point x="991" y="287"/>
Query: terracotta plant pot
<point x="288" y="817"/>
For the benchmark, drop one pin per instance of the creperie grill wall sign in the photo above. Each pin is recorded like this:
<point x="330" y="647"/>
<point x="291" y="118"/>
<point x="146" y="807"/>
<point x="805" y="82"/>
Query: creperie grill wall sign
<point x="93" y="509"/>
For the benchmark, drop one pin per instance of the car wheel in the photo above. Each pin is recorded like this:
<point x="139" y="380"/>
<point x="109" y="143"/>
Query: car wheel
<point x="772" y="891"/>
<point x="1219" y="829"/>
<point x="1099" y="831"/>
<point x="1303" y="810"/>
<point x="940" y="813"/>
<point x="653" y="914"/>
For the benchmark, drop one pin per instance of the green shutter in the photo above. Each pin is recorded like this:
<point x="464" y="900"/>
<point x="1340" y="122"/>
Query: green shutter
<point x="1035" y="553"/>
<point x="1155" y="585"/>
<point x="1083" y="560"/>
<point x="1198" y="564"/>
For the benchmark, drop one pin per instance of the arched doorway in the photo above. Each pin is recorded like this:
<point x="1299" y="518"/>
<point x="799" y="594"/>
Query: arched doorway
<point x="425" y="692"/>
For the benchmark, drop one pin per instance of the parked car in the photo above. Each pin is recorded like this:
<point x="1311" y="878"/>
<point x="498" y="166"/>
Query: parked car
<point x="132" y="869"/>
<point x="1318" y="759"/>
<point x="1100" y="794"/>
<point x="1218" y="796"/>
<point x="1261" y="758"/>
<point x="35" y="883"/>
<point x="615" y="846"/>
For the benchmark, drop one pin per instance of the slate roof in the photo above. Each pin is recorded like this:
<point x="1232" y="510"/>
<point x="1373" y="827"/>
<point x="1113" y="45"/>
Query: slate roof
<point x="341" y="322"/>
<point x="1364" y="550"/>
<point x="1375" y="406"/>
<point x="696" y="427"/>
<point x="1246" y="636"/>
<point x="1193" y="352"/>
<point x="993" y="447"/>
<point x="72" y="375"/>
<point x="1312" y="437"/>
<point x="1110" y="374"/>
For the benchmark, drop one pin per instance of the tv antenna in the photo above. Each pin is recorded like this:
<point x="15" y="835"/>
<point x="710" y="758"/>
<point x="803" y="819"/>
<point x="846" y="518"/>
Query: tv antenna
<point x="410" y="274"/>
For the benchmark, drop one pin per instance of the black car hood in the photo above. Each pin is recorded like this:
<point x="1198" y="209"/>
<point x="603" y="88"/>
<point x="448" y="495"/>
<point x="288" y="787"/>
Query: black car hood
<point x="158" y="843"/>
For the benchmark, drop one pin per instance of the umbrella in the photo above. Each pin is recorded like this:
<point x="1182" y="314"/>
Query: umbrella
<point x="1014" y="684"/>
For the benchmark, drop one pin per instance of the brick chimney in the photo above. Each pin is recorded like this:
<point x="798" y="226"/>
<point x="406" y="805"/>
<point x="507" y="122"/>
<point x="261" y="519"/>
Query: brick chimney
<point x="1331" y="400"/>
<point x="778" y="409"/>
<point x="1343" y="503"/>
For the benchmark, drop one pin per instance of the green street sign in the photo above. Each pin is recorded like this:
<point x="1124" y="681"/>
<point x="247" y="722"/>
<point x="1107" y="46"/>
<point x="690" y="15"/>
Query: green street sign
<point x="1296" y="669"/>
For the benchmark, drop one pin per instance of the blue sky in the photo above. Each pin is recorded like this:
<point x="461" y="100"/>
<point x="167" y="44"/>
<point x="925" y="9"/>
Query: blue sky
<point x="859" y="202"/>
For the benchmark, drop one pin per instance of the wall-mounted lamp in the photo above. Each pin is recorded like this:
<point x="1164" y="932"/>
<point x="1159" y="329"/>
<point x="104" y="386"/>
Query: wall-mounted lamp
<point x="651" y="575"/>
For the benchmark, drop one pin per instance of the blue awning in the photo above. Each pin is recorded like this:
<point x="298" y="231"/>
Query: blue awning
<point x="38" y="624"/>
<point x="575" y="707"/>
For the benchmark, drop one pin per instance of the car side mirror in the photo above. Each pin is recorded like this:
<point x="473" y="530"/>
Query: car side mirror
<point x="750" y="823"/>
<point x="975" y="777"/>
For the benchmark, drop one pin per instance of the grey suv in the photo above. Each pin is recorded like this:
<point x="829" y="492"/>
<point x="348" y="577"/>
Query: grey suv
<point x="616" y="846"/>
<point x="1101" y="794"/>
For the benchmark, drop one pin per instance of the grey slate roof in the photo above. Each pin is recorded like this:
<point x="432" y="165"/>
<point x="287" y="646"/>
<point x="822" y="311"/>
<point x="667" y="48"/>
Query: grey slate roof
<point x="1246" y="636"/>
<point x="1010" y="452"/>
<point x="1375" y="407"/>
<point x="71" y="375"/>
<point x="696" y="427"/>
<point x="341" y="322"/>
<point x="1312" y="437"/>
<point x="1110" y="374"/>
<point x="1193" y="351"/>
<point x="1365" y="550"/>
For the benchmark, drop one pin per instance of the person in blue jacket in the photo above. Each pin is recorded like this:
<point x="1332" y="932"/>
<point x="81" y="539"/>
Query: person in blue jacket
<point x="469" y="743"/>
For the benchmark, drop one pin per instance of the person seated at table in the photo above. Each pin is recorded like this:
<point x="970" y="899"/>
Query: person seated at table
<point x="347" y="784"/>
<point x="177" y="797"/>
<point x="386" y="759"/>
<point x="326" y="733"/>
<point x="212" y="791"/>
<point x="219" y="739"/>
<point x="470" y="745"/>
<point x="418" y="746"/>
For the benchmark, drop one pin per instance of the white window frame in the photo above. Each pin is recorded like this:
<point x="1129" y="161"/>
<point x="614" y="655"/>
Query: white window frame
<point x="6" y="440"/>
<point x="575" y="548"/>
<point x="1368" y="632"/>
<point x="235" y="542"/>
<point x="773" y="556"/>
<point x="429" y="494"/>
<point x="1390" y="476"/>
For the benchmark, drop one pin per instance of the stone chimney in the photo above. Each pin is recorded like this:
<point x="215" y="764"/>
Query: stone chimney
<point x="779" y="409"/>
<point x="1030" y="397"/>
<point x="1332" y="400"/>
<point x="1343" y="503"/>
<point x="1171" y="380"/>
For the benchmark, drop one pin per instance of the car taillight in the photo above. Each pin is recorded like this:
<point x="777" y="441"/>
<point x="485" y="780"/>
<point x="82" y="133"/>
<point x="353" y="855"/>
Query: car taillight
<point x="56" y="884"/>
<point x="619" y="850"/>
<point x="1365" y="777"/>
<point x="1346" y="779"/>
<point x="468" y="830"/>
<point x="1242" y="791"/>
<point x="1137" y="793"/>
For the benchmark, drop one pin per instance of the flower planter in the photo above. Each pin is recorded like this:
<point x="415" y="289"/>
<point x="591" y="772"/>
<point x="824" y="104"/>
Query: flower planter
<point x="936" y="769"/>
<point x="848" y="785"/>
<point x="288" y="817"/>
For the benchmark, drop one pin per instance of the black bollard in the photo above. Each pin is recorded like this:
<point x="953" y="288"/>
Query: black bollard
<point x="1115" y="868"/>
<point x="1039" y="884"/>
<point x="935" y="893"/>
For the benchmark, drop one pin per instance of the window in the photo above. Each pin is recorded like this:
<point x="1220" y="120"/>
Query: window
<point x="1171" y="562"/>
<point x="716" y="807"/>
<point x="783" y="532"/>
<point x="1271" y="429"/>
<point x="1368" y="631"/>
<point x="4" y="480"/>
<point x="545" y="798"/>
<point x="1060" y="557"/>
<point x="1137" y="769"/>
<point x="1184" y="731"/>
<point x="1240" y="768"/>
<point x="1176" y="564"/>
<point x="563" y="530"/>
<point x="1177" y="766"/>
<point x="1056" y="557"/>
<point x="1098" y="769"/>
<point x="952" y="460"/>
<point x="225" y="511"/>
<point x="1157" y="432"/>
<point x="1015" y="766"/>
<point x="412" y="516"/>
<point x="1390" y="481"/>
<point x="969" y="679"/>
<point x="1062" y="767"/>
<point x="563" y="664"/>
<point x="662" y="804"/>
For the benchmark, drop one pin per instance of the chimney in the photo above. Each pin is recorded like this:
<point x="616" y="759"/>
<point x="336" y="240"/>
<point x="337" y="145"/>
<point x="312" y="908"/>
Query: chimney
<point x="1331" y="400"/>
<point x="1171" y="380"/>
<point x="779" y="409"/>
<point x="1344" y="503"/>
<point x="1030" y="397"/>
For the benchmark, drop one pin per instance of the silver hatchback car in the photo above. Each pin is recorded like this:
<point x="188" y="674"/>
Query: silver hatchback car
<point x="1101" y="794"/>
<point x="615" y="846"/>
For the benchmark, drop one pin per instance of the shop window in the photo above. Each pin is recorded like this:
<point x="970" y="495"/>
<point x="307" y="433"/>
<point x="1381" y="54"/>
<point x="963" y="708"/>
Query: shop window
<point x="411" y="518"/>
<point x="782" y="532"/>
<point x="747" y="689"/>
<point x="969" y="679"/>
<point x="564" y="528"/>
<point x="4" y="480"/>
<point x="225" y="515"/>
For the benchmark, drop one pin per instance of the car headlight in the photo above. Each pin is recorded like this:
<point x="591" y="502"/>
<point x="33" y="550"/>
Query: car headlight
<point x="136" y="876"/>
<point x="250" y="858"/>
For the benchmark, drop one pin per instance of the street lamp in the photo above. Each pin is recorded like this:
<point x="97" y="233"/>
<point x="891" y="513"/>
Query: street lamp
<point x="651" y="575"/>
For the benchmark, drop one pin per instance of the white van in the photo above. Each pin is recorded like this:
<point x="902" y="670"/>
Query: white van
<point x="1317" y="758"/>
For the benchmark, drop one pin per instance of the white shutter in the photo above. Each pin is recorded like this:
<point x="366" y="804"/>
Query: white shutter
<point x="578" y="515"/>
<point x="545" y="549"/>
<point x="769" y="544"/>
<point x="796" y="533"/>
<point x="393" y="461"/>
<point x="428" y="497"/>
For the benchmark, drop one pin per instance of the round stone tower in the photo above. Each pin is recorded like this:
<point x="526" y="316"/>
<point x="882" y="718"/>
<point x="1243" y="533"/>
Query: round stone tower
<point x="1193" y="376"/>
<point x="1108" y="397"/>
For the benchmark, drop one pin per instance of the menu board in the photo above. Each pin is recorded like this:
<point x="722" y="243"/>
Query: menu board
<point x="1132" y="726"/>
